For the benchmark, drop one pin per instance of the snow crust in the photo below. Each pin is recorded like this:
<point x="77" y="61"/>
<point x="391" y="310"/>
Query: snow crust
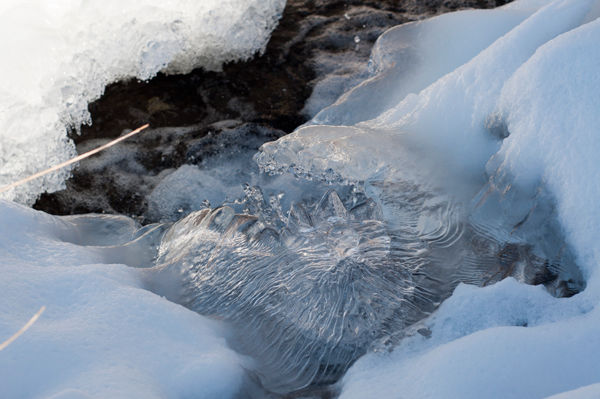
<point x="514" y="113"/>
<point x="102" y="335"/>
<point x="58" y="56"/>
<point x="409" y="57"/>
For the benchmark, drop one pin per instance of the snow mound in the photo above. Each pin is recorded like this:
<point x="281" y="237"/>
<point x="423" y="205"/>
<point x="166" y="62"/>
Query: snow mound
<point x="102" y="335"/>
<point x="59" y="56"/>
<point x="504" y="341"/>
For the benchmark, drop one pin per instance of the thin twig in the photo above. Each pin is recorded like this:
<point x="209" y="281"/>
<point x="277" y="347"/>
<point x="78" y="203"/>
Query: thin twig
<point x="23" y="329"/>
<point x="73" y="160"/>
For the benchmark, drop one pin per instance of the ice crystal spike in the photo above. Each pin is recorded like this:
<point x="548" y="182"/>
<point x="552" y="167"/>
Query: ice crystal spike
<point x="331" y="206"/>
<point x="298" y="216"/>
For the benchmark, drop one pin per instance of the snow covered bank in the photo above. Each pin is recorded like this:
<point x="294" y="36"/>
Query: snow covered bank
<point x="479" y="347"/>
<point x="102" y="335"/>
<point x="498" y="140"/>
<point x="518" y="119"/>
<point x="59" y="56"/>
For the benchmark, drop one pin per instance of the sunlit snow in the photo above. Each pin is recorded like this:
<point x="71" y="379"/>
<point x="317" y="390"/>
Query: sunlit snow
<point x="471" y="151"/>
<point x="58" y="56"/>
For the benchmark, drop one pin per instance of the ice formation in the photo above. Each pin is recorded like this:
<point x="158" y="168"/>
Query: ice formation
<point x="409" y="57"/>
<point x="309" y="292"/>
<point x="59" y="56"/>
<point x="288" y="290"/>
<point x="193" y="187"/>
<point x="519" y="118"/>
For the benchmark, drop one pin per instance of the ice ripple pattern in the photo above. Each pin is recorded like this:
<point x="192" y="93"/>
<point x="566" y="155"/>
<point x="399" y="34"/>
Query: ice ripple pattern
<point x="311" y="292"/>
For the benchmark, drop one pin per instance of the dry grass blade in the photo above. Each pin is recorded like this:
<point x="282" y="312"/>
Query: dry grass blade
<point x="23" y="329"/>
<point x="72" y="160"/>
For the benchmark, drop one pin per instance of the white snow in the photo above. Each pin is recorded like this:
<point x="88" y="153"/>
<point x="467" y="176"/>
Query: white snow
<point x="480" y="349"/>
<point x="58" y="56"/>
<point x="551" y="105"/>
<point x="588" y="392"/>
<point x="102" y="334"/>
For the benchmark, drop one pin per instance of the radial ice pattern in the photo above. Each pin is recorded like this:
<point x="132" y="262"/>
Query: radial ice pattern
<point x="302" y="295"/>
<point x="312" y="291"/>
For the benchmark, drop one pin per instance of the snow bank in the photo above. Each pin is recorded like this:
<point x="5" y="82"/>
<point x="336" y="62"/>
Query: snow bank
<point x="551" y="107"/>
<point x="480" y="348"/>
<point x="518" y="119"/>
<point x="102" y="335"/>
<point x="59" y="56"/>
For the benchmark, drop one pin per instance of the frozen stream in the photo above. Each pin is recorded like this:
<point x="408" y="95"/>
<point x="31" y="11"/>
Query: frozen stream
<point x="430" y="234"/>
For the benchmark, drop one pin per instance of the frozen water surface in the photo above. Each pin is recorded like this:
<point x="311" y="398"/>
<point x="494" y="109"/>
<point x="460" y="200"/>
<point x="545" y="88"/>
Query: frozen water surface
<point x="309" y="293"/>
<point x="369" y="249"/>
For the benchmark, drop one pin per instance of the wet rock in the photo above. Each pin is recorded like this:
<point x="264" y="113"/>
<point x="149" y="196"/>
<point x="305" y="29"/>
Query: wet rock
<point x="122" y="179"/>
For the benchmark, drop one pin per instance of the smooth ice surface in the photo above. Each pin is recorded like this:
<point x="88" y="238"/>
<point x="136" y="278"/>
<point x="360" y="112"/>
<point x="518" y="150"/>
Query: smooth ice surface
<point x="409" y="57"/>
<point x="102" y="335"/>
<point x="519" y="120"/>
<point x="58" y="56"/>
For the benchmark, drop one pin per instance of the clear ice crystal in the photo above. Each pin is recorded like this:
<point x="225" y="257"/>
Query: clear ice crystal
<point x="311" y="292"/>
<point x="302" y="294"/>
